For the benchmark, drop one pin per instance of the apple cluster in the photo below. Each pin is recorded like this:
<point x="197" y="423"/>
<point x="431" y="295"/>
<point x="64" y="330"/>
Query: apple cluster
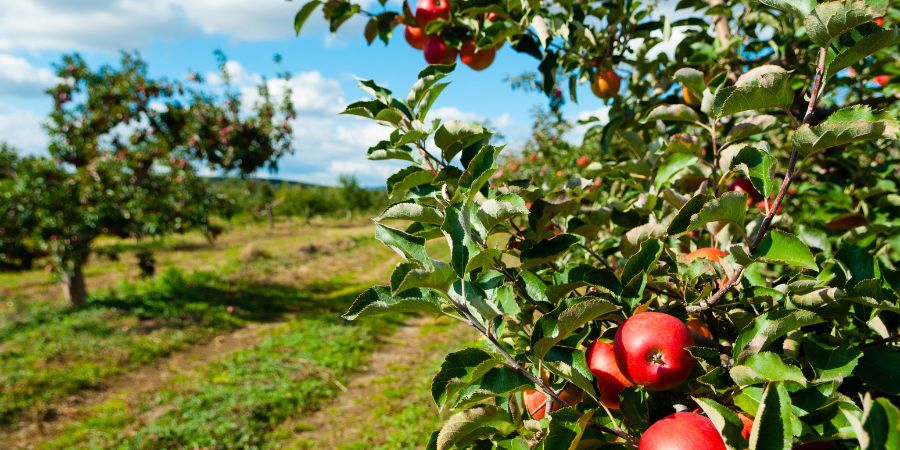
<point x="649" y="350"/>
<point x="435" y="48"/>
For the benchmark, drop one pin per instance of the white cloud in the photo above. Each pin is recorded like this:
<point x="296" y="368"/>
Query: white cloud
<point x="88" y="24"/>
<point x="22" y="129"/>
<point x="18" y="77"/>
<point x="242" y="19"/>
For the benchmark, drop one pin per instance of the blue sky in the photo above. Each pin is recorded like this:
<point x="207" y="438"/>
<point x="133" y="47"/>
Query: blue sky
<point x="176" y="36"/>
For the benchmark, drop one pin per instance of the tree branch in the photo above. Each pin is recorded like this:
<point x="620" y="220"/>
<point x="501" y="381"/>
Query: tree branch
<point x="785" y="184"/>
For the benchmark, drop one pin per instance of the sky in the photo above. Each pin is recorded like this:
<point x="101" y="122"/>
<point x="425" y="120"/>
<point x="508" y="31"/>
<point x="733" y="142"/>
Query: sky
<point x="179" y="36"/>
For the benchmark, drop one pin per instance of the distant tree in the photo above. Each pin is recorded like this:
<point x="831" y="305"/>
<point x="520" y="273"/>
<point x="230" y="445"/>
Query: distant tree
<point x="355" y="196"/>
<point x="123" y="149"/>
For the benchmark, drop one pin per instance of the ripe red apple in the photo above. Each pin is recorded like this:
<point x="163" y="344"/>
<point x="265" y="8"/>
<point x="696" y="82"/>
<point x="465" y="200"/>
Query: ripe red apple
<point x="598" y="183"/>
<point x="699" y="330"/>
<point x="532" y="157"/>
<point x="879" y="21"/>
<point x="536" y="401"/>
<point x="438" y="52"/>
<point x="415" y="36"/>
<point x="682" y="431"/>
<point x="582" y="161"/>
<point x="650" y="350"/>
<point x="428" y="10"/>
<point x="744" y="185"/>
<point x="474" y="58"/>
<point x="493" y="17"/>
<point x="882" y="80"/>
<point x="610" y="381"/>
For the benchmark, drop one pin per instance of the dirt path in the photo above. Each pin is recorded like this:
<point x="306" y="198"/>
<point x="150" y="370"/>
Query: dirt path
<point x="361" y="416"/>
<point x="132" y="387"/>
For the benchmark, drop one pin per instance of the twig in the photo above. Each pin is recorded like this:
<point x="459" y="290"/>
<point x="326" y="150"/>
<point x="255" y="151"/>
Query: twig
<point x="886" y="340"/>
<point x="597" y="256"/>
<point x="785" y="184"/>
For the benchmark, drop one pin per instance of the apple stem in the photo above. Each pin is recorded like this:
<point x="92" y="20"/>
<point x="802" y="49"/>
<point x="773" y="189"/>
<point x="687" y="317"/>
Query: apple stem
<point x="782" y="192"/>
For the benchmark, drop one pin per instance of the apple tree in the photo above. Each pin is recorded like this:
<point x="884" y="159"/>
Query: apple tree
<point x="123" y="152"/>
<point x="732" y="280"/>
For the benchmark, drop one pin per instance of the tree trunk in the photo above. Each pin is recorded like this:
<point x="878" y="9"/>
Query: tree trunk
<point x="270" y="212"/>
<point x="73" y="287"/>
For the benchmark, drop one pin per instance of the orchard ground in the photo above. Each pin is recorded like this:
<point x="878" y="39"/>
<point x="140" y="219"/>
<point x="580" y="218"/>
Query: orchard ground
<point x="238" y="343"/>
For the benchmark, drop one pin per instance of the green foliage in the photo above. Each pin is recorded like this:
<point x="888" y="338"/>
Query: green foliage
<point x="793" y="213"/>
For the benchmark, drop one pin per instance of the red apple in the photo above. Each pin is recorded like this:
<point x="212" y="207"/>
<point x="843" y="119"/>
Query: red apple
<point x="882" y="80"/>
<point x="582" y="161"/>
<point x="650" y="350"/>
<point x="744" y="185"/>
<point x="415" y="36"/>
<point x="438" y="52"/>
<point x="428" y="10"/>
<point x="474" y="58"/>
<point x="699" y="330"/>
<point x="682" y="431"/>
<point x="602" y="362"/>
<point x="493" y="17"/>
<point x="536" y="401"/>
<point x="879" y="21"/>
<point x="532" y="157"/>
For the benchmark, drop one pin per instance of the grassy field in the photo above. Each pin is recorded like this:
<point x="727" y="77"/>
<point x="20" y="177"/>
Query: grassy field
<point x="238" y="344"/>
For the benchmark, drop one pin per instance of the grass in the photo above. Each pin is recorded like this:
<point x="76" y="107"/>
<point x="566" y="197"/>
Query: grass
<point x="238" y="401"/>
<point x="249" y="397"/>
<point x="48" y="351"/>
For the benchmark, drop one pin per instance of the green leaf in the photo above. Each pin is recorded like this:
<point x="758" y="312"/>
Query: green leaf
<point x="880" y="427"/>
<point x="799" y="8"/>
<point x="726" y="421"/>
<point x="570" y="364"/>
<point x="772" y="425"/>
<point x="411" y="211"/>
<point x="455" y="135"/>
<point x="640" y="264"/>
<point x="767" y="328"/>
<point x="566" y="429"/>
<point x="461" y="246"/>
<point x="458" y="370"/>
<point x="760" y="88"/>
<point x="548" y="249"/>
<point x="675" y="163"/>
<point x="830" y="20"/>
<point x="831" y="363"/>
<point x="406" y="245"/>
<point x="759" y="166"/>
<point x="407" y="178"/>
<point x="730" y="207"/>
<point x="463" y="428"/>
<point x="878" y="368"/>
<point x="559" y="323"/>
<point x="384" y="150"/>
<point x="497" y="382"/>
<point x="682" y="220"/>
<point x="378" y="300"/>
<point x="479" y="170"/>
<point x="693" y="79"/>
<point x="303" y="14"/>
<point x="751" y="126"/>
<point x="671" y="113"/>
<point x="411" y="275"/>
<point x="498" y="210"/>
<point x="862" y="48"/>
<point x="425" y="88"/>
<point x="765" y="367"/>
<point x="784" y="248"/>
<point x="845" y="126"/>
